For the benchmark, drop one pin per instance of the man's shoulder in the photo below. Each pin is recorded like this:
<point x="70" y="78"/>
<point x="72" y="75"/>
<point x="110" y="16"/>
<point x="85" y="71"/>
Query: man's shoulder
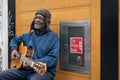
<point x="52" y="35"/>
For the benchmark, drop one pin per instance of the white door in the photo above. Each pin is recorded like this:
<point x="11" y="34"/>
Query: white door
<point x="3" y="34"/>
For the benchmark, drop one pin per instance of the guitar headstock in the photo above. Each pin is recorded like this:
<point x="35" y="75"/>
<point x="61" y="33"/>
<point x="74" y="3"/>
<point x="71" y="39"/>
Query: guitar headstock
<point x="40" y="67"/>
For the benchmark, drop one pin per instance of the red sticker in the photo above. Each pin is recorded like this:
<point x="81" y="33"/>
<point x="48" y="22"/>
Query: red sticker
<point x="76" y="45"/>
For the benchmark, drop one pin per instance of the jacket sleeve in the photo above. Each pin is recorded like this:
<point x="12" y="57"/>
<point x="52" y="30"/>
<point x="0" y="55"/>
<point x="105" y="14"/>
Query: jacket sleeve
<point x="52" y="57"/>
<point x="16" y="40"/>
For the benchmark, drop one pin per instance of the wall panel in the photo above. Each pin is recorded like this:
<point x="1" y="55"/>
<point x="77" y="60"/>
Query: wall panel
<point x="24" y="29"/>
<point x="95" y="39"/>
<point x="75" y="13"/>
<point x="65" y="76"/>
<point x="31" y="5"/>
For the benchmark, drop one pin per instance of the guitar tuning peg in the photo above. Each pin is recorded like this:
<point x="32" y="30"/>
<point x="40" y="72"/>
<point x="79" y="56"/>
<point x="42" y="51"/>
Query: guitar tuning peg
<point x="40" y="66"/>
<point x="37" y="64"/>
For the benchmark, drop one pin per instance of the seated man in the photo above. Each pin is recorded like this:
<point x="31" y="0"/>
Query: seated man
<point x="46" y="46"/>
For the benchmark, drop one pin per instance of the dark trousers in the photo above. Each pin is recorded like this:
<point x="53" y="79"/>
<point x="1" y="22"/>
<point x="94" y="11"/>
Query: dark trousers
<point x="22" y="74"/>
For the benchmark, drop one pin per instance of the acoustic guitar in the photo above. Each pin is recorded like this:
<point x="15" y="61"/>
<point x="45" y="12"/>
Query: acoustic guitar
<point x="26" y="55"/>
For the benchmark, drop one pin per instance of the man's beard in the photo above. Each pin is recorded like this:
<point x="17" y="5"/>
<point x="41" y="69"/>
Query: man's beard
<point x="39" y="29"/>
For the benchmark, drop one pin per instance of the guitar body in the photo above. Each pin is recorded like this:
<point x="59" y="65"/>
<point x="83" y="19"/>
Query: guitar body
<point x="23" y="51"/>
<point x="26" y="55"/>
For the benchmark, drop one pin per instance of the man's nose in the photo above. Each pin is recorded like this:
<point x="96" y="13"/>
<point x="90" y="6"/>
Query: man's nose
<point x="38" y="19"/>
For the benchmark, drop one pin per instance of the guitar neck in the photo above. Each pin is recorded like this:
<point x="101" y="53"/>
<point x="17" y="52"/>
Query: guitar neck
<point x="37" y="66"/>
<point x="27" y="60"/>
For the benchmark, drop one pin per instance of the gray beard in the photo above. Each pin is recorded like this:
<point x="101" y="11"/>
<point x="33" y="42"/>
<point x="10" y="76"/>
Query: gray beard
<point x="38" y="30"/>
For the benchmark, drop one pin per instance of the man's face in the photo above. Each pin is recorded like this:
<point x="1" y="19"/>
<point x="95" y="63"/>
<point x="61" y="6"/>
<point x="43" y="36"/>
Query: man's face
<point x="39" y="21"/>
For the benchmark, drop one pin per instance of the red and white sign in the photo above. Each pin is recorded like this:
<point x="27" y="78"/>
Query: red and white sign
<point x="76" y="45"/>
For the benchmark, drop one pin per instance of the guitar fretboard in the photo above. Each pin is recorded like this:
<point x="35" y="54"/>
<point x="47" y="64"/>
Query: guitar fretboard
<point x="27" y="61"/>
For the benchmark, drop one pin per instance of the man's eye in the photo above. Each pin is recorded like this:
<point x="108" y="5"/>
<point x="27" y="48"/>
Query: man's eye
<point x="39" y="18"/>
<point x="36" y="17"/>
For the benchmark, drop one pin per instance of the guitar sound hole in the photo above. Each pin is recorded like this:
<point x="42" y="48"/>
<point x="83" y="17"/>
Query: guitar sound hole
<point x="14" y="66"/>
<point x="28" y="56"/>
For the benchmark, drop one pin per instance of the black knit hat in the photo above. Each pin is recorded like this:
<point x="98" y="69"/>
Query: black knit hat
<point x="47" y="16"/>
<point x="44" y="12"/>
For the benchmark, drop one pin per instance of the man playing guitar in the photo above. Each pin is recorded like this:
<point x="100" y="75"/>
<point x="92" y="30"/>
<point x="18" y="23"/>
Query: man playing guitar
<point x="46" y="46"/>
